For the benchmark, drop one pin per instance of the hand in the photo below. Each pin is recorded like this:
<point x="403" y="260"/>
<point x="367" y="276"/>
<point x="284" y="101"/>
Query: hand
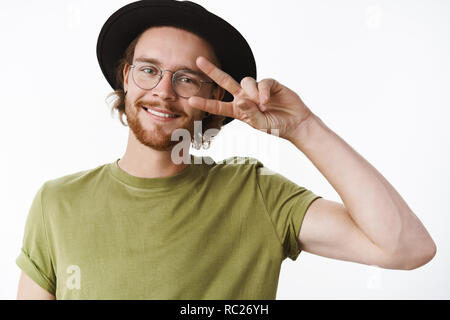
<point x="264" y="105"/>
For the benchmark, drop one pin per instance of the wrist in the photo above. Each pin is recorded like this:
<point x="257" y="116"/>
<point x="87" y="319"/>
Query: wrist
<point x="299" y="135"/>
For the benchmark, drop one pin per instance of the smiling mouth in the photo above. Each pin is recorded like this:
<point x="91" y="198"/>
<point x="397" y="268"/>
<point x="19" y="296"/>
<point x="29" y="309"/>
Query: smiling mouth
<point x="160" y="114"/>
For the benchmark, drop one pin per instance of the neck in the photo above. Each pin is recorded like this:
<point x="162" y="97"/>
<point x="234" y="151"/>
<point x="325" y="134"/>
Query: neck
<point x="144" y="162"/>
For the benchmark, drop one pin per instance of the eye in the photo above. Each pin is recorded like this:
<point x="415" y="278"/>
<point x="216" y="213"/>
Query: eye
<point x="149" y="70"/>
<point x="185" y="80"/>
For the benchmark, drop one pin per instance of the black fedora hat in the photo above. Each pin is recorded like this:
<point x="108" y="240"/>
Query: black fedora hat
<point x="128" y="22"/>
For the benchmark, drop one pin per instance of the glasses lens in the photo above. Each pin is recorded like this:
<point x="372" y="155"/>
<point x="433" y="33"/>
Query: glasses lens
<point x="186" y="84"/>
<point x="146" y="77"/>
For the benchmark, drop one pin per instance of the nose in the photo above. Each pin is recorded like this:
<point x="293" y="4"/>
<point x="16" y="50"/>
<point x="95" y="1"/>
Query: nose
<point x="164" y="89"/>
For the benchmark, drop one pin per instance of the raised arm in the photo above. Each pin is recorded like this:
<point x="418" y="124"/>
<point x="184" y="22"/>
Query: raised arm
<point x="374" y="225"/>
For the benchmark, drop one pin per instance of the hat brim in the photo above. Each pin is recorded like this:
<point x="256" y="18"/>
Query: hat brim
<point x="128" y="22"/>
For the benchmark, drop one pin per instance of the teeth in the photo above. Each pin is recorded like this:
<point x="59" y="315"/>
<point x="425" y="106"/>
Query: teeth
<point x="160" y="114"/>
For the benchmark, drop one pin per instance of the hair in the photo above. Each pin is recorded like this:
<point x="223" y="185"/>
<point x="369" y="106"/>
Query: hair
<point x="211" y="121"/>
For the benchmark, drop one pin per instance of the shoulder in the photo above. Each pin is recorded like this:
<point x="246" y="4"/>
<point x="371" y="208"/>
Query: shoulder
<point x="72" y="183"/>
<point x="234" y="166"/>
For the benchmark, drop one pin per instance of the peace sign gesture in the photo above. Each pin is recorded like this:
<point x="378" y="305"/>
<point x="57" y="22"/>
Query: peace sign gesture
<point x="266" y="104"/>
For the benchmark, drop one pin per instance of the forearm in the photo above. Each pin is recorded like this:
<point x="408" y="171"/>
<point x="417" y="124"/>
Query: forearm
<point x="375" y="206"/>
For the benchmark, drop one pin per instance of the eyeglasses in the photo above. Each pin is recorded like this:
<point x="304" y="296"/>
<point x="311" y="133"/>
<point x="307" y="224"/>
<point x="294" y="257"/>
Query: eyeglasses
<point x="185" y="83"/>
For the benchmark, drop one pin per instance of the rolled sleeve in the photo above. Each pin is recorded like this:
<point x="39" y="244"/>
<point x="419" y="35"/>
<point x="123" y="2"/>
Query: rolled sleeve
<point x="32" y="270"/>
<point x="286" y="204"/>
<point x="34" y="258"/>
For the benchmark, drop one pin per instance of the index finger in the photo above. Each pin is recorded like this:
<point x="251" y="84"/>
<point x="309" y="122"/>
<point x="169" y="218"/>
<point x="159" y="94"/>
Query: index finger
<point x="222" y="78"/>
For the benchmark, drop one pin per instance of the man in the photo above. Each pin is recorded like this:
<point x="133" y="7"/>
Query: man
<point x="149" y="227"/>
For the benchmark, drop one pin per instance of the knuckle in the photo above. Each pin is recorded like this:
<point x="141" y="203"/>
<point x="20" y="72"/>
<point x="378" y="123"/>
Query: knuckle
<point x="247" y="79"/>
<point x="222" y="77"/>
<point x="241" y="102"/>
<point x="266" y="82"/>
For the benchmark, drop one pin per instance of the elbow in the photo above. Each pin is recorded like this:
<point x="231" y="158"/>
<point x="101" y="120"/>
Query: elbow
<point x="414" y="248"/>
<point x="415" y="257"/>
<point x="426" y="256"/>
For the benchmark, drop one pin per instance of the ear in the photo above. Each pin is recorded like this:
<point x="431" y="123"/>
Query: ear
<point x="126" y="71"/>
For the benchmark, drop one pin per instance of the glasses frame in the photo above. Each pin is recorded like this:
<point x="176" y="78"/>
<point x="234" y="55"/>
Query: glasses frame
<point x="133" y="67"/>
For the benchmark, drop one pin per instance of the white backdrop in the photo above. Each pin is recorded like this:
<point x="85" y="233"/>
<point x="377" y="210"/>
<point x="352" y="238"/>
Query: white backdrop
<point x="376" y="72"/>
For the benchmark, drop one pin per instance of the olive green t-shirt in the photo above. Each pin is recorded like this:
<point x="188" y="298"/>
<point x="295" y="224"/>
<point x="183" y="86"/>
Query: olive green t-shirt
<point x="215" y="230"/>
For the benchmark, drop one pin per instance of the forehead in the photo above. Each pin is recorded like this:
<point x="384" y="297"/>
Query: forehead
<point x="173" y="47"/>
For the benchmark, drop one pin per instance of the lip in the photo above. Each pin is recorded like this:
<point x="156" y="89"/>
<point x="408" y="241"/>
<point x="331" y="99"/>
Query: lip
<point x="155" y="117"/>
<point x="160" y="110"/>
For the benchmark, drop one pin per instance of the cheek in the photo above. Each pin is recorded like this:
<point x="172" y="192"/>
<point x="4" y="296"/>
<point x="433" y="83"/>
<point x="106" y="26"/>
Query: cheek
<point x="128" y="104"/>
<point x="131" y="98"/>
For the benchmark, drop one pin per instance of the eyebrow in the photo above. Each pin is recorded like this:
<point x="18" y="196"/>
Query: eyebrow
<point x="177" y="67"/>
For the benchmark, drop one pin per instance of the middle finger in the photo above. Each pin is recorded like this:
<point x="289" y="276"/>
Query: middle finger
<point x="222" y="78"/>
